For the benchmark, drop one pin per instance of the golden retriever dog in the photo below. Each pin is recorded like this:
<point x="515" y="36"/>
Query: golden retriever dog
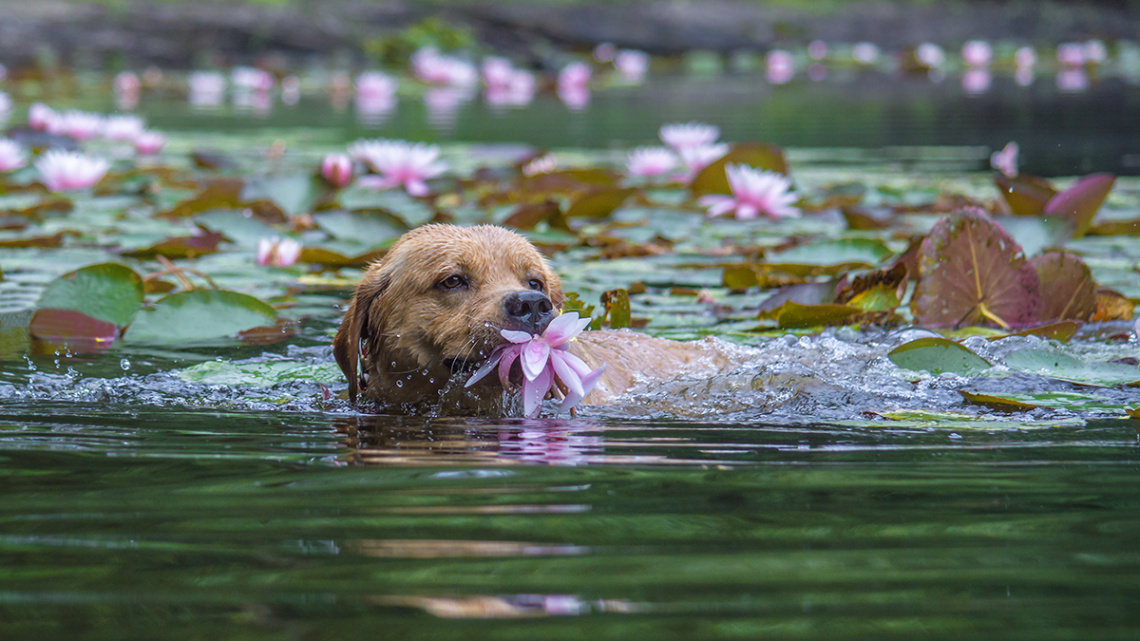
<point x="428" y="313"/>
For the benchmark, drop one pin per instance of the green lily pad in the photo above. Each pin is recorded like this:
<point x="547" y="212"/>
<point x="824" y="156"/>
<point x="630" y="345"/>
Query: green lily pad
<point x="108" y="292"/>
<point x="368" y="228"/>
<point x="937" y="356"/>
<point x="293" y="193"/>
<point x="866" y="251"/>
<point x="199" y="314"/>
<point x="1067" y="368"/>
<point x="263" y="374"/>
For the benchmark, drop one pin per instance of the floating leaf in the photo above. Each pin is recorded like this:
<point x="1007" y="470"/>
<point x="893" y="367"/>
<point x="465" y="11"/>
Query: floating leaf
<point x="293" y="193"/>
<point x="848" y="252"/>
<point x="365" y="227"/>
<point x="78" y="331"/>
<point x="938" y="355"/>
<point x="107" y="292"/>
<point x="616" y="302"/>
<point x="1026" y="195"/>
<point x="1068" y="291"/>
<point x="199" y="314"/>
<point x="1116" y="228"/>
<point x="861" y="219"/>
<point x="804" y="294"/>
<point x="200" y="244"/>
<point x="1111" y="305"/>
<point x="215" y="194"/>
<point x="336" y="260"/>
<point x="875" y="291"/>
<point x="55" y="240"/>
<point x="1058" y="330"/>
<point x="1080" y="202"/>
<point x="1037" y="234"/>
<point x="599" y="203"/>
<point x="1073" y="370"/>
<point x="261" y="374"/>
<point x="713" y="179"/>
<point x="528" y="216"/>
<point x="794" y="315"/>
<point x="973" y="273"/>
<point x="999" y="403"/>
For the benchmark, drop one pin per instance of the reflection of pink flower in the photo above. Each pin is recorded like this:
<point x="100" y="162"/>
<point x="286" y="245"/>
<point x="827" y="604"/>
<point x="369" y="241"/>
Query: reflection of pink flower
<point x="1071" y="54"/>
<point x="574" y="75"/>
<point x="68" y="170"/>
<point x="149" y="143"/>
<point x="977" y="53"/>
<point x="278" y="252"/>
<point x="817" y="50"/>
<point x="1025" y="57"/>
<point x="575" y="98"/>
<point x="375" y="84"/>
<point x="650" y="161"/>
<point x="337" y="170"/>
<point x="543" y="359"/>
<point x="754" y="192"/>
<point x="691" y="134"/>
<point x="976" y="81"/>
<point x="1005" y="160"/>
<point x="399" y="163"/>
<point x="11" y="155"/>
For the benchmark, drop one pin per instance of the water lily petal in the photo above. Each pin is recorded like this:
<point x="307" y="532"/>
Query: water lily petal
<point x="578" y="365"/>
<point x="515" y="336"/>
<point x="535" y="355"/>
<point x="564" y="328"/>
<point x="487" y="366"/>
<point x="510" y="355"/>
<point x="534" y="391"/>
<point x="566" y="373"/>
<point x="589" y="381"/>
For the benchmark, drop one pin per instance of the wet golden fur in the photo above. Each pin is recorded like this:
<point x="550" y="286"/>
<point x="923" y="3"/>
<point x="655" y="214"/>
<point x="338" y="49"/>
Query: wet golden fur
<point x="405" y="333"/>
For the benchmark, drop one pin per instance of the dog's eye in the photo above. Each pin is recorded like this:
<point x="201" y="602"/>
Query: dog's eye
<point x="452" y="282"/>
<point x="536" y="284"/>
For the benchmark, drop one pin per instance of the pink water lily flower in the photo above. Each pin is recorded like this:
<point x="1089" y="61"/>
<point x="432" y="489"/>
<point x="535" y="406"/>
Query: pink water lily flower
<point x="688" y="135"/>
<point x="754" y="193"/>
<point x="650" y="161"/>
<point x="69" y="170"/>
<point x="278" y="252"/>
<point x="1005" y="160"/>
<point x="123" y="128"/>
<point x="149" y="143"/>
<point x="544" y="359"/>
<point x="399" y="163"/>
<point x="11" y="155"/>
<point x="337" y="170"/>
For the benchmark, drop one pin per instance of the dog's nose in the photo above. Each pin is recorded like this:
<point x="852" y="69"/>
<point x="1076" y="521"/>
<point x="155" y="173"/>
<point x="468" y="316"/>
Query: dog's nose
<point x="530" y="311"/>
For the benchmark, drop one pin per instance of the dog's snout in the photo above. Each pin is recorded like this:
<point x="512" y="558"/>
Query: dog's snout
<point x="531" y="311"/>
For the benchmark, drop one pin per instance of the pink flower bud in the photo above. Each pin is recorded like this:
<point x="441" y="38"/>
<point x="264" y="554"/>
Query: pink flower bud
<point x="337" y="170"/>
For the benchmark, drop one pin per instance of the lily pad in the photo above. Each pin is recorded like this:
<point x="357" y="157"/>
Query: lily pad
<point x="107" y="292"/>
<point x="1026" y="195"/>
<point x="261" y="374"/>
<point x="293" y="193"/>
<point x="369" y="228"/>
<point x="714" y="180"/>
<point x="847" y="251"/>
<point x="972" y="273"/>
<point x="792" y="315"/>
<point x="78" y="331"/>
<point x="199" y="314"/>
<point x="1000" y="403"/>
<point x="598" y="203"/>
<point x="1071" y="369"/>
<point x="937" y="356"/>
<point x="1080" y="202"/>
<point x="1068" y="291"/>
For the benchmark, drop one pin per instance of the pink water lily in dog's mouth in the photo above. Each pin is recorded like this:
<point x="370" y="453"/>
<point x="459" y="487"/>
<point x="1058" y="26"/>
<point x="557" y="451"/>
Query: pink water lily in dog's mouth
<point x="544" y="358"/>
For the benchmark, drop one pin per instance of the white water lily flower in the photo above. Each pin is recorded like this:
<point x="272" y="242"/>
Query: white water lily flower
<point x="278" y="252"/>
<point x="754" y="193"/>
<point x="543" y="358"/>
<point x="688" y="135"/>
<point x="69" y="170"/>
<point x="11" y="155"/>
<point x="398" y="163"/>
<point x="123" y="128"/>
<point x="650" y="161"/>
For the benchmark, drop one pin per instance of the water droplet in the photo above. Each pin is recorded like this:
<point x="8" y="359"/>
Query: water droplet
<point x="399" y="383"/>
<point x="125" y="364"/>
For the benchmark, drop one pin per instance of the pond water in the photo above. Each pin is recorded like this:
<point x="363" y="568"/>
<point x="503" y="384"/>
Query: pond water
<point x="814" y="491"/>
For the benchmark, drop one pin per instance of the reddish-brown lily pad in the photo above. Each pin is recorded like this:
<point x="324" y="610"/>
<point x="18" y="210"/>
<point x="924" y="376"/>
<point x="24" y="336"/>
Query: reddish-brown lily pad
<point x="1080" y="202"/>
<point x="1026" y="195"/>
<point x="1067" y="288"/>
<point x="972" y="272"/>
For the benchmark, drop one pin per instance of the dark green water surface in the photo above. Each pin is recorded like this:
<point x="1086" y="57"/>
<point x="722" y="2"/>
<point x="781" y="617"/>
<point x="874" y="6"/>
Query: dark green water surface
<point x="147" y="522"/>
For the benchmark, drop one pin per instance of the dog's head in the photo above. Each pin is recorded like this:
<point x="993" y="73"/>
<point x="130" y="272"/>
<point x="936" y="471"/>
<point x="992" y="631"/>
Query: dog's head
<point x="435" y="304"/>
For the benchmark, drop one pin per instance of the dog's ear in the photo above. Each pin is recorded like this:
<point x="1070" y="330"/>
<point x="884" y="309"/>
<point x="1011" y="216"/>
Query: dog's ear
<point x="358" y="326"/>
